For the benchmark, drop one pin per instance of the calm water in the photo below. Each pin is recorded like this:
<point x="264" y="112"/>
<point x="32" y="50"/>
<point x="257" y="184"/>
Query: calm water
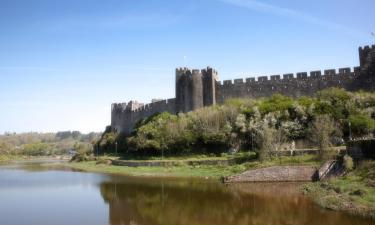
<point x="32" y="195"/>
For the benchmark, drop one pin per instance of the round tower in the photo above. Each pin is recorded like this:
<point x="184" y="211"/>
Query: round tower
<point x="189" y="90"/>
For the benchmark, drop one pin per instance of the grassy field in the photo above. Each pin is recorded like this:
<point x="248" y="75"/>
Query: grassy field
<point x="204" y="171"/>
<point x="354" y="192"/>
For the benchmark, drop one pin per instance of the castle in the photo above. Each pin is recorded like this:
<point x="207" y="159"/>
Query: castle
<point x="199" y="88"/>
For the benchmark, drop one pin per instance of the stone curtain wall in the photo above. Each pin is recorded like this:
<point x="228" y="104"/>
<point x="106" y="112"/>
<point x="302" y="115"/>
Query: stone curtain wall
<point x="290" y="85"/>
<point x="199" y="88"/>
<point x="124" y="117"/>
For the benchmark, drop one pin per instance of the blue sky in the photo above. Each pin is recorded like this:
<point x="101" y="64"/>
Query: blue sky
<point x="62" y="63"/>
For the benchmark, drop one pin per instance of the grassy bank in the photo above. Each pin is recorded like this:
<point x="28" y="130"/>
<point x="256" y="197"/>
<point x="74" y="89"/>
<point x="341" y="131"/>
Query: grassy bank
<point x="353" y="193"/>
<point x="9" y="158"/>
<point x="204" y="171"/>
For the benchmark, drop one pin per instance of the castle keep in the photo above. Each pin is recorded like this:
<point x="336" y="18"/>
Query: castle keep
<point x="199" y="88"/>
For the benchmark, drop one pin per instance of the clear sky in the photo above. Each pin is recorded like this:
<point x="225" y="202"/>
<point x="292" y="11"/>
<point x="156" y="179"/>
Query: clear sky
<point x="62" y="63"/>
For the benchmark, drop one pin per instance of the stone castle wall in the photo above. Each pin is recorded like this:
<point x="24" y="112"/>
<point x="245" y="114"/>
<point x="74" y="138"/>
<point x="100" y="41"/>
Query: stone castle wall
<point x="303" y="84"/>
<point x="124" y="117"/>
<point x="198" y="88"/>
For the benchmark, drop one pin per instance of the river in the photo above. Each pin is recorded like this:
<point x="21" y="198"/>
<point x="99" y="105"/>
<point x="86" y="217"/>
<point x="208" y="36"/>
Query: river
<point x="31" y="194"/>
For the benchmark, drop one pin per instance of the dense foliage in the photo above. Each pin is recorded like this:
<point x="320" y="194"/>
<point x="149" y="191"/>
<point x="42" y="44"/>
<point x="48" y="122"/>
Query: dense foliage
<point x="44" y="144"/>
<point x="266" y="123"/>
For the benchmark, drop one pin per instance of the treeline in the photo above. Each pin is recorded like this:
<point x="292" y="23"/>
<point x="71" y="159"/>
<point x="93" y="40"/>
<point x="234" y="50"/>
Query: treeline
<point x="44" y="144"/>
<point x="268" y="123"/>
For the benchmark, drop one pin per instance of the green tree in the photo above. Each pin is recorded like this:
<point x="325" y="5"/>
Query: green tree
<point x="361" y="124"/>
<point x="321" y="131"/>
<point x="35" y="149"/>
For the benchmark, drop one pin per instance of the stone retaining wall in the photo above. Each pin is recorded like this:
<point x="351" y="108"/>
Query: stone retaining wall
<point x="276" y="174"/>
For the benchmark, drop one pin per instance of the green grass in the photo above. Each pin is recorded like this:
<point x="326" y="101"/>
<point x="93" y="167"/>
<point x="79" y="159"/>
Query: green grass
<point x="175" y="171"/>
<point x="8" y="158"/>
<point x="354" y="192"/>
<point x="205" y="171"/>
<point x="188" y="157"/>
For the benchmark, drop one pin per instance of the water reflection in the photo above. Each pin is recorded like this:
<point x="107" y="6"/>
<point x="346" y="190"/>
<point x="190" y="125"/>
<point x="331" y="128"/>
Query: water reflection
<point x="193" y="203"/>
<point x="31" y="194"/>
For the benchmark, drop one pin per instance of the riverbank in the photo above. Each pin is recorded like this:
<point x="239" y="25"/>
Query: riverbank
<point x="184" y="170"/>
<point x="8" y="158"/>
<point x="353" y="193"/>
<point x="12" y="158"/>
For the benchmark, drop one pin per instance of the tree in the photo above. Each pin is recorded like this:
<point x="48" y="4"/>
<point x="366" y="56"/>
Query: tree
<point x="321" y="130"/>
<point x="35" y="149"/>
<point x="83" y="148"/>
<point x="272" y="141"/>
<point x="362" y="124"/>
<point x="5" y="148"/>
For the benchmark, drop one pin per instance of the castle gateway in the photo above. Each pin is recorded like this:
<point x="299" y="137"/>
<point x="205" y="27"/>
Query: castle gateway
<point x="199" y="88"/>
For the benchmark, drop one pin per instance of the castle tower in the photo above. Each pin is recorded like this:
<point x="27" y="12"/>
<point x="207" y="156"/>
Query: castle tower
<point x="366" y="81"/>
<point x="189" y="90"/>
<point x="209" y="78"/>
<point x="363" y="54"/>
<point x="182" y="86"/>
<point x="196" y="90"/>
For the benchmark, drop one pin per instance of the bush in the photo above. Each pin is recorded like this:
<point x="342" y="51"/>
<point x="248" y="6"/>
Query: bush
<point x="333" y="101"/>
<point x="367" y="147"/>
<point x="35" y="149"/>
<point x="361" y="124"/>
<point x="348" y="163"/>
<point x="275" y="103"/>
<point x="239" y="123"/>
<point x="5" y="148"/>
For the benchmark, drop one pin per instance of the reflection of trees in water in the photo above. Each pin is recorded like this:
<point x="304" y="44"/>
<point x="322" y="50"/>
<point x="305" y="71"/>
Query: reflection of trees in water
<point x="186" y="203"/>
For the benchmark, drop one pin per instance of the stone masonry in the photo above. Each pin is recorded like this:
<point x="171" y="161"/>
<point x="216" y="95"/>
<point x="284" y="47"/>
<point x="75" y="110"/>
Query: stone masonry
<point x="199" y="88"/>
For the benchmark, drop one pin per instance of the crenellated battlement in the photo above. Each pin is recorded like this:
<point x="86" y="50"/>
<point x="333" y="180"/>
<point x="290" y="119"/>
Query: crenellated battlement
<point x="210" y="70"/>
<point x="198" y="88"/>
<point x="182" y="71"/>
<point x="364" y="53"/>
<point x="130" y="106"/>
<point x="367" y="48"/>
<point x="140" y="107"/>
<point x="291" y="76"/>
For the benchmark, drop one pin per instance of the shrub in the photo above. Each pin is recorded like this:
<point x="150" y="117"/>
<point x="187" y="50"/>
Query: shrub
<point x="239" y="123"/>
<point x="35" y="149"/>
<point x="5" y="147"/>
<point x="361" y="124"/>
<point x="333" y="101"/>
<point x="367" y="147"/>
<point x="275" y="103"/>
<point x="348" y="163"/>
